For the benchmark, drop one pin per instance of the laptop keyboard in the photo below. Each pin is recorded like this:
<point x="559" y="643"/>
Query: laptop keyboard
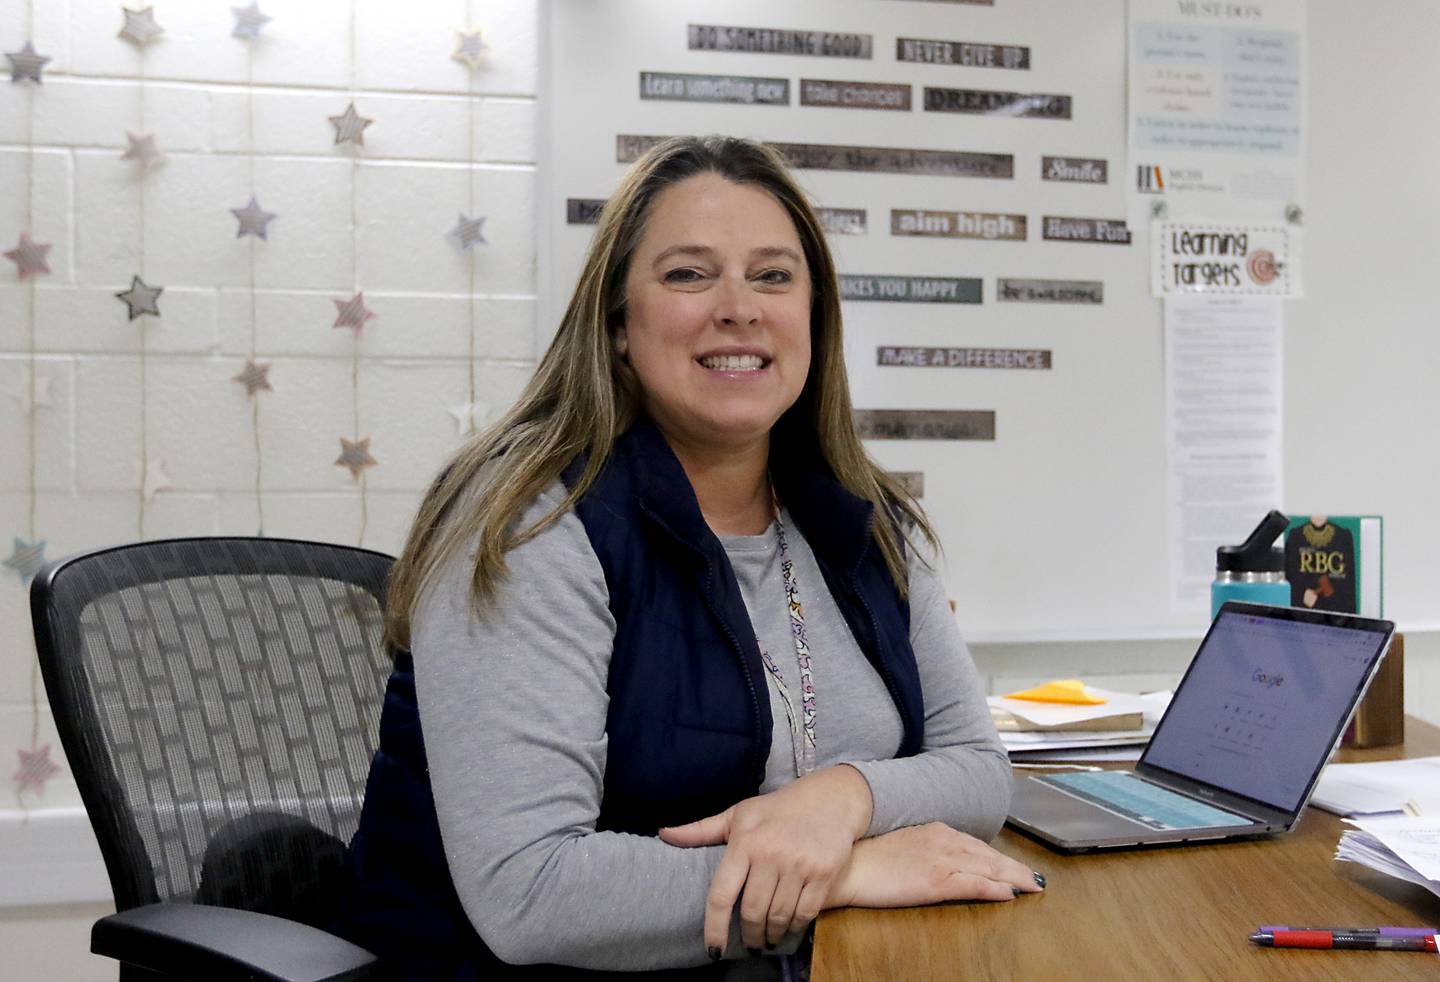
<point x="1121" y="793"/>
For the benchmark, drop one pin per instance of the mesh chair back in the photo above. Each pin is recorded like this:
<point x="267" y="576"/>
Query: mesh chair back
<point x="215" y="690"/>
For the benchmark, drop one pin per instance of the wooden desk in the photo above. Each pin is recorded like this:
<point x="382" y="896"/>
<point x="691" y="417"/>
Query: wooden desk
<point x="1164" y="913"/>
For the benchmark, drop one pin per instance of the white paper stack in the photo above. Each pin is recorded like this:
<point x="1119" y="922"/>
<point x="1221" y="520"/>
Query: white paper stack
<point x="1406" y="847"/>
<point x="1379" y="787"/>
<point x="1052" y="742"/>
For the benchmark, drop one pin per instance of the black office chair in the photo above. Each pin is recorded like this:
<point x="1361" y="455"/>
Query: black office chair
<point x="217" y="700"/>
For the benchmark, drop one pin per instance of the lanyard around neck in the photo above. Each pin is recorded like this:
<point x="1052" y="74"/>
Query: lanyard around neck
<point x="802" y="721"/>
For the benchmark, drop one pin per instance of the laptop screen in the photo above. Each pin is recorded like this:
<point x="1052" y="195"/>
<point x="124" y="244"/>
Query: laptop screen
<point x="1258" y="710"/>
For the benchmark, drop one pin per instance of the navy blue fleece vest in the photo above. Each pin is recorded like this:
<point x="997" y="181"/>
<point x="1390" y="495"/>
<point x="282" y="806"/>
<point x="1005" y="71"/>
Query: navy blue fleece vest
<point x="689" y="726"/>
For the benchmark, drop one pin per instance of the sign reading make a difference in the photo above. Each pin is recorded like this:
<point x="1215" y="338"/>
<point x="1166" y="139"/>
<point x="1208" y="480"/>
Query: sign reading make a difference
<point x="1225" y="258"/>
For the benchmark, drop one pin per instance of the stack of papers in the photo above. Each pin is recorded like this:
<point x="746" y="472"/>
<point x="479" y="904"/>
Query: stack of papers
<point x="1044" y="730"/>
<point x="1380" y="788"/>
<point x="1405" y="847"/>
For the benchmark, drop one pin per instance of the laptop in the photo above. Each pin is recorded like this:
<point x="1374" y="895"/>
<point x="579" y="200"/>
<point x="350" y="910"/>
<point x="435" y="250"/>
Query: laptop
<point x="1238" y="751"/>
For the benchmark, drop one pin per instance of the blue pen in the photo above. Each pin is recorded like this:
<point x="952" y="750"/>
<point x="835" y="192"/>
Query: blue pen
<point x="1384" y="932"/>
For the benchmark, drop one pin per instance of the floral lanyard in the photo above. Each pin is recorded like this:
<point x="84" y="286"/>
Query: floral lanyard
<point x="802" y="724"/>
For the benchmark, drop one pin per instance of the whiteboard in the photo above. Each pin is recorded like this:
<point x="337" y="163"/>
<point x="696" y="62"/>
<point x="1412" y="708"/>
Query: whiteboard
<point x="1056" y="528"/>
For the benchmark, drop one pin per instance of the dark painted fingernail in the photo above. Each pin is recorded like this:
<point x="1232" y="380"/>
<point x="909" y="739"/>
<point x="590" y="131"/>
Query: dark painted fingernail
<point x="714" y="953"/>
<point x="754" y="952"/>
<point x="769" y="946"/>
<point x="1015" y="891"/>
<point x="1039" y="879"/>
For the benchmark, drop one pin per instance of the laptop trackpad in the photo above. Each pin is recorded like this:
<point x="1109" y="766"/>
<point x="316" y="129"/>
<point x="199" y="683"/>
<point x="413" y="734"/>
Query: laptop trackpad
<point x="1121" y="794"/>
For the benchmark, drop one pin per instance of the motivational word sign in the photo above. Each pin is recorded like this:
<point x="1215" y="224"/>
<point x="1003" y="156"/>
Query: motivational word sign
<point x="1219" y="258"/>
<point x="776" y="41"/>
<point x="583" y="211"/>
<point x="875" y="160"/>
<point x="962" y="357"/>
<point x="854" y="95"/>
<point x="911" y="289"/>
<point x="1061" y="229"/>
<point x="1049" y="291"/>
<point x="1080" y="170"/>
<point x="842" y="221"/>
<point x="957" y="224"/>
<point x="983" y="102"/>
<point x="925" y="424"/>
<point x="742" y="89"/>
<point x="968" y="54"/>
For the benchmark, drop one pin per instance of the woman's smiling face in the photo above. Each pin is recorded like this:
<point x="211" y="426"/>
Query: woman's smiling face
<point x="717" y="312"/>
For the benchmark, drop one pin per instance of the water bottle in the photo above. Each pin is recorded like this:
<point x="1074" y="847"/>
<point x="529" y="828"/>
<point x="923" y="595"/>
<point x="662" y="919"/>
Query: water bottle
<point x="1253" y="571"/>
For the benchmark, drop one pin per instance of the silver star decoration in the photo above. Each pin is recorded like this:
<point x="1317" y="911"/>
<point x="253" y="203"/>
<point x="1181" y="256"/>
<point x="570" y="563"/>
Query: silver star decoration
<point x="41" y="399"/>
<point x="350" y="126"/>
<point x="254" y="376"/>
<point x="156" y="480"/>
<point x="26" y="63"/>
<point x="29" y="256"/>
<point x="36" y="768"/>
<point x="469" y="416"/>
<point x="468" y="48"/>
<point x="27" y="558"/>
<point x="352" y="313"/>
<point x="248" y="21"/>
<point x="140" y="27"/>
<point x="355" y="454"/>
<point x="143" y="150"/>
<point x="253" y="219"/>
<point x="468" y="231"/>
<point x="140" y="298"/>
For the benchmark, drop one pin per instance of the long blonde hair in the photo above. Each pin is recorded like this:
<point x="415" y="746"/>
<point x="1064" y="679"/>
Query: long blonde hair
<point x="583" y="396"/>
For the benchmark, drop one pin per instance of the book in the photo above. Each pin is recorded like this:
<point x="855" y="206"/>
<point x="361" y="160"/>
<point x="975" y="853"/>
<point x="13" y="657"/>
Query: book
<point x="1336" y="562"/>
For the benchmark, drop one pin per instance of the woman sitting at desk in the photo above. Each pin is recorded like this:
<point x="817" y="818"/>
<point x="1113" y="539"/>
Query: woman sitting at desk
<point x="683" y="679"/>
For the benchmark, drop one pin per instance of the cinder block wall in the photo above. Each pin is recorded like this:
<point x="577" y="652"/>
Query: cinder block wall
<point x="444" y="141"/>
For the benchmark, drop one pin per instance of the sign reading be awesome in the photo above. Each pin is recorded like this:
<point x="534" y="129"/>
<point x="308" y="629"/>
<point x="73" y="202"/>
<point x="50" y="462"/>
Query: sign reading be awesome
<point x="983" y="102"/>
<point x="925" y="424"/>
<point x="962" y="357"/>
<point x="968" y="54"/>
<point x="911" y="289"/>
<point x="854" y="95"/>
<point x="1085" y="230"/>
<point x="773" y="41"/>
<point x="1050" y="291"/>
<point x="957" y="224"/>
<point x="744" y="89"/>
<point x="873" y="160"/>
<point x="842" y="221"/>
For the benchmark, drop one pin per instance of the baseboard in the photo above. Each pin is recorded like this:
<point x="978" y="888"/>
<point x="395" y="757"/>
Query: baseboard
<point x="49" y="856"/>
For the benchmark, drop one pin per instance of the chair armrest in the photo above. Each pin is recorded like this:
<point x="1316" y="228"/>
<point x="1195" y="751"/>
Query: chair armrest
<point x="222" y="943"/>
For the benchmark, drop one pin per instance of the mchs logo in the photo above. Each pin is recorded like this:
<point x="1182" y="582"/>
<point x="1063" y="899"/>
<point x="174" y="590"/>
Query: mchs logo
<point x="1149" y="179"/>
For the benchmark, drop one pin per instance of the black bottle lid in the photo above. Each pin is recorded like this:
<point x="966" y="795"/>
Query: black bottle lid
<point x="1255" y="554"/>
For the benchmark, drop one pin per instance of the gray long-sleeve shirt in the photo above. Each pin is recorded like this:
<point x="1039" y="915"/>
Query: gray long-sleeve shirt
<point x="513" y="707"/>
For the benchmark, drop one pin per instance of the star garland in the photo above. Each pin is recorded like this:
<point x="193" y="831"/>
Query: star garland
<point x="31" y="259"/>
<point x="353" y="313"/>
<point x="254" y="222"/>
<point x="142" y="300"/>
<point x="469" y="232"/>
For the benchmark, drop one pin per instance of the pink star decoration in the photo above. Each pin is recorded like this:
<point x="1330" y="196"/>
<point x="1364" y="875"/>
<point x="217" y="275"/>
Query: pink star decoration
<point x="29" y="255"/>
<point x="352" y="313"/>
<point x="36" y="768"/>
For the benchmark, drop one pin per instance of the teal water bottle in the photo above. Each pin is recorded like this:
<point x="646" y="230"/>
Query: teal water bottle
<point x="1253" y="571"/>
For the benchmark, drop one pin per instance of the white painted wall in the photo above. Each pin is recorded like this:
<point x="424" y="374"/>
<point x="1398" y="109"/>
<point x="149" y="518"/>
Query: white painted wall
<point x="1370" y="138"/>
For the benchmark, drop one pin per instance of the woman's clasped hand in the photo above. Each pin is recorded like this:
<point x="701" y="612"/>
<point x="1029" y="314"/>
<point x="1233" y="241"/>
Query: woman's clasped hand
<point x="794" y="852"/>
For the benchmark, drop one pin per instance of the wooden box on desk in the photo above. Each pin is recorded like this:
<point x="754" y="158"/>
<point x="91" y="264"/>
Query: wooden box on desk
<point x="1380" y="719"/>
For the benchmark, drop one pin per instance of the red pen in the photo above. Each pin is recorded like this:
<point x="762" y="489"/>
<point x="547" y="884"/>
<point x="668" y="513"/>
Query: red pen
<point x="1339" y="939"/>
